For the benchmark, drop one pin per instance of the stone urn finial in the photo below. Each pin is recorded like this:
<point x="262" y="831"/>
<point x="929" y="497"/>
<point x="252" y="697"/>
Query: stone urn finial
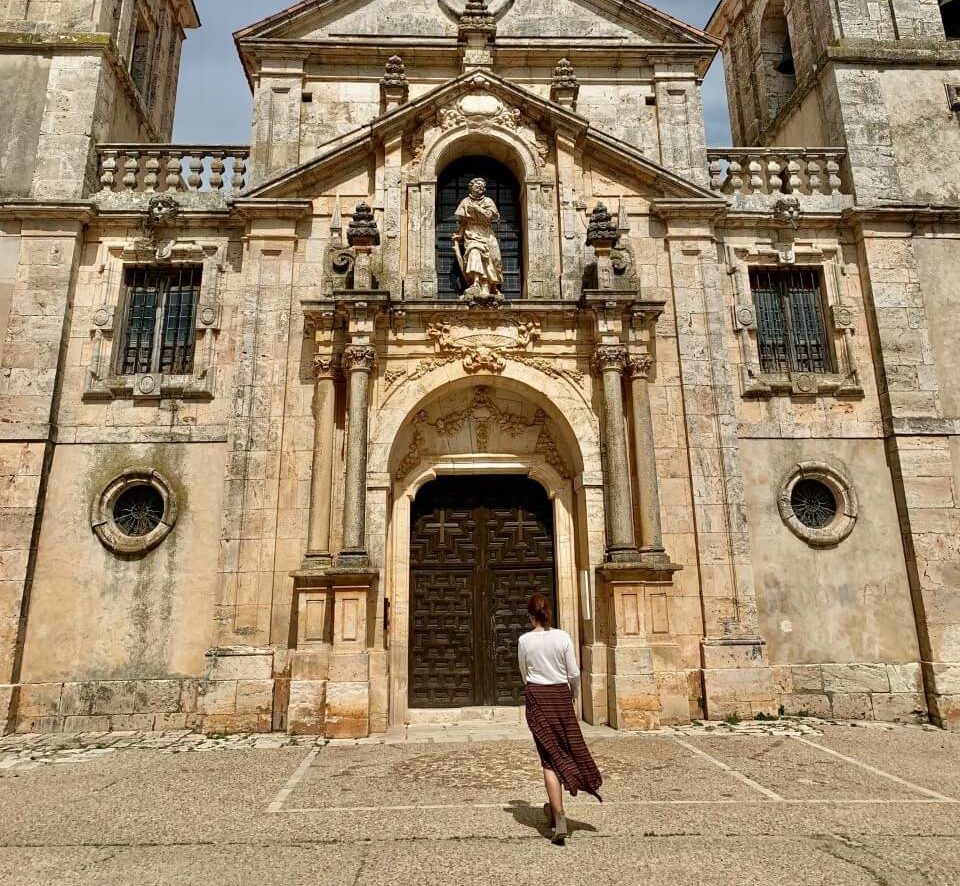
<point x="476" y="17"/>
<point x="602" y="231"/>
<point x="363" y="231"/>
<point x="565" y="87"/>
<point x="394" y="86"/>
<point x="395" y="72"/>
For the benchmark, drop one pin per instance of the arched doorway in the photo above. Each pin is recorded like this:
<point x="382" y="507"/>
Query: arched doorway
<point x="479" y="547"/>
<point x="503" y="189"/>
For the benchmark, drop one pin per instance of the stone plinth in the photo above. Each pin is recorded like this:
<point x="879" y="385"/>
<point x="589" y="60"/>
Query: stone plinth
<point x="643" y="691"/>
<point x="738" y="679"/>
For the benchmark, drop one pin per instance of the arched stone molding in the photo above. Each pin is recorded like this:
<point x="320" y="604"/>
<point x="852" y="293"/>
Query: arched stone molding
<point x="573" y="484"/>
<point x="576" y="423"/>
<point x="566" y="525"/>
<point x="516" y="146"/>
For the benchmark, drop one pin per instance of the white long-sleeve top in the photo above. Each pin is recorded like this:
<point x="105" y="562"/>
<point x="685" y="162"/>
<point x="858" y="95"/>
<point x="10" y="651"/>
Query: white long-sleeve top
<point x="547" y="658"/>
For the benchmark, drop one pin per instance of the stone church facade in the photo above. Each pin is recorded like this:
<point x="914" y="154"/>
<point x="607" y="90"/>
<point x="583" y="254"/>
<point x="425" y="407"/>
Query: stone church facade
<point x="286" y="441"/>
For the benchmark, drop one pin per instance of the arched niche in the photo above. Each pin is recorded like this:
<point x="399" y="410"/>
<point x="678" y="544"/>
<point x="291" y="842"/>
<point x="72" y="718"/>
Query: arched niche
<point x="504" y="145"/>
<point x="504" y="189"/>
<point x="776" y="52"/>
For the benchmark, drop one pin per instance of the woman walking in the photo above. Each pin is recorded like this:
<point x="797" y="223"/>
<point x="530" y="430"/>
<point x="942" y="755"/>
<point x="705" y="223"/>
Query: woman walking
<point x="549" y="670"/>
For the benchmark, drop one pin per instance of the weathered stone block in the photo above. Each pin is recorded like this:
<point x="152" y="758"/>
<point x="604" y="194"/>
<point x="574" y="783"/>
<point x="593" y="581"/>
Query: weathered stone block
<point x="851" y="706"/>
<point x="902" y="707"/>
<point x="807" y="703"/>
<point x="846" y="678"/>
<point x="36" y="700"/>
<point x="307" y="710"/>
<point x="347" y="710"/>
<point x="157" y="696"/>
<point x="352" y="667"/>
<point x="905" y="678"/>
<point x="239" y="664"/>
<point x="218" y="697"/>
<point x="254" y="696"/>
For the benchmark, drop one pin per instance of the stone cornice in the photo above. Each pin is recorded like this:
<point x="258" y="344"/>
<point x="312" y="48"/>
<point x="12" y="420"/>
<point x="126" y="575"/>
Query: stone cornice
<point x="67" y="210"/>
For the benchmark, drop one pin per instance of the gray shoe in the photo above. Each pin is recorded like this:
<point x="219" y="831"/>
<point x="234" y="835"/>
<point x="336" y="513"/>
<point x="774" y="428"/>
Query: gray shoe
<point x="560" y="831"/>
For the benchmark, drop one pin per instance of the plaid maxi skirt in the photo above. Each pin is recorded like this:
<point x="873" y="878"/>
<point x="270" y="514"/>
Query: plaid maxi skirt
<point x="553" y="721"/>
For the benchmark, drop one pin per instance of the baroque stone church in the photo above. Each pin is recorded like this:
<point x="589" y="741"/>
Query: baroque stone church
<point x="290" y="431"/>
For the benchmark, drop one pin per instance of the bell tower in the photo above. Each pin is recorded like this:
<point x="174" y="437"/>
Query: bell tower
<point x="75" y="74"/>
<point x="879" y="79"/>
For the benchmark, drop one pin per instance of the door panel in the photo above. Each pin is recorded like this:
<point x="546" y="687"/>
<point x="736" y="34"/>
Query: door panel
<point x="479" y="548"/>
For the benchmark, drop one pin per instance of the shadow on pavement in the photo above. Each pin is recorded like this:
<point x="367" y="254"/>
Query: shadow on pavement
<point x="532" y="817"/>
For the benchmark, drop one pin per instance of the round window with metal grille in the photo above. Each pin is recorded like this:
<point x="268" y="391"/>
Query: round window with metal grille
<point x="814" y="503"/>
<point x="138" y="510"/>
<point x="818" y="503"/>
<point x="135" y="512"/>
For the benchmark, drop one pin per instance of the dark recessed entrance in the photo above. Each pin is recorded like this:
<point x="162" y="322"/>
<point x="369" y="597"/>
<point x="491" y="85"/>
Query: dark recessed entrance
<point x="479" y="547"/>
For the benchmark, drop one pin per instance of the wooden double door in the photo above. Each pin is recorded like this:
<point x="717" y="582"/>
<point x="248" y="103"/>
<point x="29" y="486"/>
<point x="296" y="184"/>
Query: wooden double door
<point x="479" y="548"/>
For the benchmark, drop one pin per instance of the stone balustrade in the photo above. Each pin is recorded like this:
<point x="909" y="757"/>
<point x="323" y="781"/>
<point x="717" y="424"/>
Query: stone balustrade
<point x="772" y="171"/>
<point x="147" y="169"/>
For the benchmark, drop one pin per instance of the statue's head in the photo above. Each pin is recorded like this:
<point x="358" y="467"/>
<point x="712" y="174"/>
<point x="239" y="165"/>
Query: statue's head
<point x="478" y="187"/>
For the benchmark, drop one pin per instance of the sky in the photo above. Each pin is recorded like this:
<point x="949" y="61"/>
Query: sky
<point x="214" y="104"/>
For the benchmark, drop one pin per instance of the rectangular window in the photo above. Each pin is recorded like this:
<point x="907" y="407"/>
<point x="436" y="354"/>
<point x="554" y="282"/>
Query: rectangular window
<point x="159" y="331"/>
<point x="140" y="54"/>
<point x="791" y="335"/>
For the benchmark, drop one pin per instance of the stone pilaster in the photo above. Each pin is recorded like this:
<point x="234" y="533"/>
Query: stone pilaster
<point x="358" y="362"/>
<point x="736" y="672"/>
<point x="40" y="296"/>
<point x="609" y="362"/>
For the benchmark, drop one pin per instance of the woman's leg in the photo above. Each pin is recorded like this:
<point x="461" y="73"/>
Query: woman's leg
<point x="554" y="791"/>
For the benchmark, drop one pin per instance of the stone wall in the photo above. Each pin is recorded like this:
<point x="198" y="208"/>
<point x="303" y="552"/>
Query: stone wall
<point x="121" y="621"/>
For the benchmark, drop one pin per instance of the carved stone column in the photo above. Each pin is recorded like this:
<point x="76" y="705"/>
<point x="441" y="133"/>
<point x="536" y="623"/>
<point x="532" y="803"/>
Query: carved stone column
<point x="609" y="362"/>
<point x="645" y="455"/>
<point x="358" y="363"/>
<point x="326" y="369"/>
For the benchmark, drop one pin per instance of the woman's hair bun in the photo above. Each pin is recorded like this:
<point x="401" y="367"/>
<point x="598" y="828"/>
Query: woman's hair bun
<point x="539" y="610"/>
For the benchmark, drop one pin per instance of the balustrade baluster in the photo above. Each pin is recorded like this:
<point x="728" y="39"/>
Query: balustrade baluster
<point x="131" y="169"/>
<point x="774" y="175"/>
<point x="195" y="178"/>
<point x="792" y="167"/>
<point x="108" y="170"/>
<point x="814" y="178"/>
<point x="174" y="169"/>
<point x="833" y="176"/>
<point x="152" y="175"/>
<point x="756" y="176"/>
<point x="735" y="180"/>
<point x="217" y="168"/>
<point x="239" y="173"/>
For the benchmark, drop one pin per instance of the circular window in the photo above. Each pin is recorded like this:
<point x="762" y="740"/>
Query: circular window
<point x="814" y="503"/>
<point x="138" y="511"/>
<point x="135" y="512"/>
<point x="818" y="503"/>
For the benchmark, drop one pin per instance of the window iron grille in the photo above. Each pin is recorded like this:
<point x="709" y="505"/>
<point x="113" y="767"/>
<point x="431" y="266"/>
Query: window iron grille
<point x="159" y="333"/>
<point x="791" y="334"/>
<point x="814" y="503"/>
<point x="138" y="511"/>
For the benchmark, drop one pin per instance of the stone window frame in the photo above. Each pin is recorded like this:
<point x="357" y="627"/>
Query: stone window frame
<point x="839" y="320"/>
<point x="848" y="505"/>
<point x="103" y="380"/>
<point x="104" y="525"/>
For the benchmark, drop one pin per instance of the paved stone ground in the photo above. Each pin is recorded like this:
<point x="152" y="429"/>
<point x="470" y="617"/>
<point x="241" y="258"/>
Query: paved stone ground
<point x="782" y="803"/>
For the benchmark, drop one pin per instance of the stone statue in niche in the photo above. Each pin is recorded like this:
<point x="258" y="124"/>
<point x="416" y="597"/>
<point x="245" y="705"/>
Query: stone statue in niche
<point x="477" y="247"/>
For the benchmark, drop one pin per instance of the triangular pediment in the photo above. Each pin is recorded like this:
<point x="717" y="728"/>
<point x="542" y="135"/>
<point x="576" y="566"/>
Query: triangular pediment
<point x="623" y="20"/>
<point x="545" y="115"/>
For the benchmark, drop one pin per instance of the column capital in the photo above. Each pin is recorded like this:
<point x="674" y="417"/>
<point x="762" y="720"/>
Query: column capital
<point x="360" y="358"/>
<point x="609" y="358"/>
<point x="325" y="366"/>
<point x="639" y="366"/>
